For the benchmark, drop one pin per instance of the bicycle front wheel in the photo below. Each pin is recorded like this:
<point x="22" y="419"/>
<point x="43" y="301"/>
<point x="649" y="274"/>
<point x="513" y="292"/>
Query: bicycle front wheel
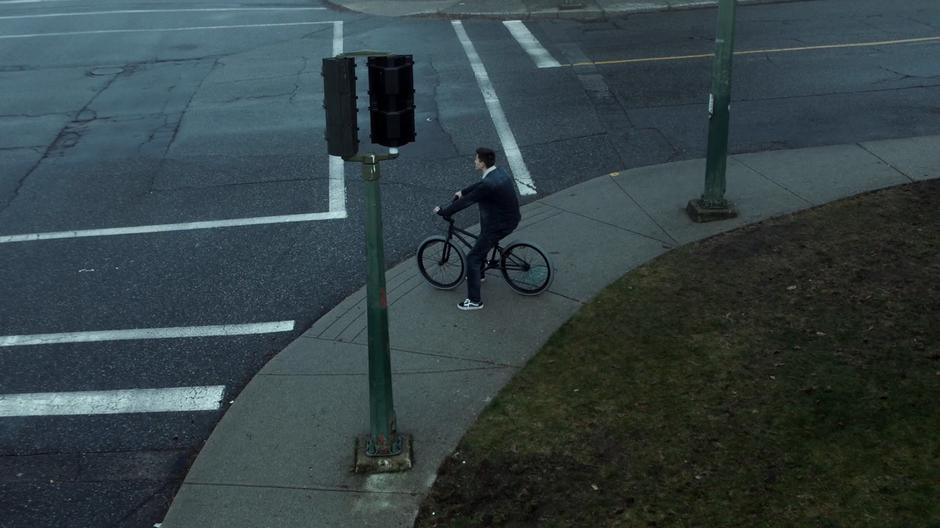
<point x="441" y="263"/>
<point x="526" y="268"/>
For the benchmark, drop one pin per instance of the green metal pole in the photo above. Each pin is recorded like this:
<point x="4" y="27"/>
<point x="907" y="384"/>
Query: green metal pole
<point x="384" y="439"/>
<point x="719" y="106"/>
<point x="712" y="204"/>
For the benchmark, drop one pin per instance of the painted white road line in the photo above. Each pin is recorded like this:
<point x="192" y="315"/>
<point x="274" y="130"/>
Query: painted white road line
<point x="151" y="30"/>
<point x="337" y="165"/>
<point x="176" y="399"/>
<point x="147" y="333"/>
<point x="165" y="228"/>
<point x="154" y="11"/>
<point x="337" y="186"/>
<point x="32" y="1"/>
<point x="532" y="46"/>
<point x="510" y="147"/>
<point x="337" y="37"/>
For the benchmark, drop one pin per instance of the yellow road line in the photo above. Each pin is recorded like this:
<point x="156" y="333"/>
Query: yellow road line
<point x="759" y="51"/>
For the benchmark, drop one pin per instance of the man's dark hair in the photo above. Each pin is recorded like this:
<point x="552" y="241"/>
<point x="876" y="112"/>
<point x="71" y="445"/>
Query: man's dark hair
<point x="487" y="156"/>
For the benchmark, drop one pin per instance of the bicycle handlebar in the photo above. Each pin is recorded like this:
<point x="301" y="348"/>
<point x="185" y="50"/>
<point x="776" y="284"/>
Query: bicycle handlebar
<point x="449" y="219"/>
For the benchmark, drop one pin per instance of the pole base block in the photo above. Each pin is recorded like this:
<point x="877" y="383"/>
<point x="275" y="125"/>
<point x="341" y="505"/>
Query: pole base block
<point x="700" y="213"/>
<point x="366" y="464"/>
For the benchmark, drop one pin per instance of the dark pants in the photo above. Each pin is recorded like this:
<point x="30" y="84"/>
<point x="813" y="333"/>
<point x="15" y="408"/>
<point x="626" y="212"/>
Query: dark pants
<point x="476" y="259"/>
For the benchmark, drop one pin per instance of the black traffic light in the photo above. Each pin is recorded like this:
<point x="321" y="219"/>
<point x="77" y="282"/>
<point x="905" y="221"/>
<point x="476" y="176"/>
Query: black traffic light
<point x="392" y="100"/>
<point x="339" y="100"/>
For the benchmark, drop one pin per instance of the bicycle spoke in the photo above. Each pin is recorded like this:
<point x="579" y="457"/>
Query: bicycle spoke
<point x="440" y="263"/>
<point x="443" y="270"/>
<point x="526" y="269"/>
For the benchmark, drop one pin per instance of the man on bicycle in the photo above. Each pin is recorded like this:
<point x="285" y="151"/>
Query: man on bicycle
<point x="496" y="197"/>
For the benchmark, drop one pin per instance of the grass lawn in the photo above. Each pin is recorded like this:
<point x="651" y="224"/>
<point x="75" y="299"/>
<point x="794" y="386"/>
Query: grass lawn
<point x="784" y="374"/>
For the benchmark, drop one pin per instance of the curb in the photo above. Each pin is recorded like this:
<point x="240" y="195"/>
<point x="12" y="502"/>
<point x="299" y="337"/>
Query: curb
<point x="599" y="13"/>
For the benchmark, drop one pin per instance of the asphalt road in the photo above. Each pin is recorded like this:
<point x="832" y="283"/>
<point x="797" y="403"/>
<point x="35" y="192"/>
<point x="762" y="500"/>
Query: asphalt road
<point x="111" y="120"/>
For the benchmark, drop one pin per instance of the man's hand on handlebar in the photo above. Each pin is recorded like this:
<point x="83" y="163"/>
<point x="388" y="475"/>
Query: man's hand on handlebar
<point x="439" y="211"/>
<point x="457" y="195"/>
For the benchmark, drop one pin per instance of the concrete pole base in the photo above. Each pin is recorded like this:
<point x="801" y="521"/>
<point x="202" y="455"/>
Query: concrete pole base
<point x="383" y="464"/>
<point x="699" y="213"/>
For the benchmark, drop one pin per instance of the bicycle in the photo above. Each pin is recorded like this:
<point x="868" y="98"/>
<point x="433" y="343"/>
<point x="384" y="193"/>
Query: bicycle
<point x="525" y="266"/>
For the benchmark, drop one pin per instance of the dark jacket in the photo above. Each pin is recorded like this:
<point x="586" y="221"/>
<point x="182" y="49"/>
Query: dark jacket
<point x="499" y="205"/>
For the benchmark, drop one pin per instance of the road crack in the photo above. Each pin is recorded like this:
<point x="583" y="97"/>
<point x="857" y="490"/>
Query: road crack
<point x="236" y="184"/>
<point x="299" y="79"/>
<point x="435" y="86"/>
<point x="179" y="123"/>
<point x="67" y="138"/>
<point x="261" y="97"/>
<point x="902" y="76"/>
<point x="33" y="116"/>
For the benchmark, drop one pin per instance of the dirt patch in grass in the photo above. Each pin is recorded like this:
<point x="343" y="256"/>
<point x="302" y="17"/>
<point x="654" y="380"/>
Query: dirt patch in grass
<point x="784" y="374"/>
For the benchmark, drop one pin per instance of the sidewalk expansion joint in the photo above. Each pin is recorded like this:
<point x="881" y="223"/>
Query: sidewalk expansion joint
<point x="539" y="217"/>
<point x="651" y="218"/>
<point x="302" y="488"/>
<point x="615" y="226"/>
<point x="563" y="296"/>
<point x="775" y="182"/>
<point x="446" y="356"/>
<point x="886" y="162"/>
<point x="431" y="354"/>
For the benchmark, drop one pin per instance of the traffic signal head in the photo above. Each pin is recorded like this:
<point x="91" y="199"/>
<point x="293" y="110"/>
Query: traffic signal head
<point x="392" y="100"/>
<point x="339" y="100"/>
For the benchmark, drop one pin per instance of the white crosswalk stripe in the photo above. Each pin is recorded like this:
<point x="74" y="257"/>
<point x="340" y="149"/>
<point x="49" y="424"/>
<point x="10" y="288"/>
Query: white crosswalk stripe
<point x="175" y="399"/>
<point x="147" y="333"/>
<point x="185" y="226"/>
<point x="156" y="30"/>
<point x="531" y="45"/>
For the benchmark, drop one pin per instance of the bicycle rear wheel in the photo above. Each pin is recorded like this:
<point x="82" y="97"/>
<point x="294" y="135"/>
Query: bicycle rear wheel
<point x="441" y="263"/>
<point x="526" y="268"/>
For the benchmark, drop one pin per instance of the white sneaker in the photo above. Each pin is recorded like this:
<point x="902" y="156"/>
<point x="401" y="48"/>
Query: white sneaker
<point x="467" y="304"/>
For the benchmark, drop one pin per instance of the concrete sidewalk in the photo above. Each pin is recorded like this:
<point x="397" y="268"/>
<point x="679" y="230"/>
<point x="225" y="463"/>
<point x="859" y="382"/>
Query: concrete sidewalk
<point x="281" y="456"/>
<point x="589" y="9"/>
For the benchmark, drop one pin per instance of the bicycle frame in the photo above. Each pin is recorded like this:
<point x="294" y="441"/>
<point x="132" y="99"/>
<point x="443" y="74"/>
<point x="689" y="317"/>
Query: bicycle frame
<point x="455" y="232"/>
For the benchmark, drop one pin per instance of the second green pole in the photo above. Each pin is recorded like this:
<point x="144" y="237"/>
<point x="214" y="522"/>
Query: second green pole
<point x="713" y="205"/>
